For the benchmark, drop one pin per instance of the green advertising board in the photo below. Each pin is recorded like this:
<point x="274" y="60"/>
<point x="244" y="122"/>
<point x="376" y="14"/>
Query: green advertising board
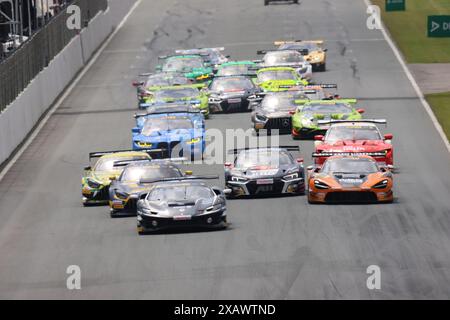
<point x="438" y="26"/>
<point x="395" y="5"/>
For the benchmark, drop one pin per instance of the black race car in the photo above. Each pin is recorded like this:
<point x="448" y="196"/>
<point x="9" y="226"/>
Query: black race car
<point x="265" y="171"/>
<point x="228" y="94"/>
<point x="180" y="203"/>
<point x="124" y="191"/>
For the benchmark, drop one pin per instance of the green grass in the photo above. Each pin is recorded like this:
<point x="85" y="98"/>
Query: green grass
<point x="440" y="103"/>
<point x="409" y="29"/>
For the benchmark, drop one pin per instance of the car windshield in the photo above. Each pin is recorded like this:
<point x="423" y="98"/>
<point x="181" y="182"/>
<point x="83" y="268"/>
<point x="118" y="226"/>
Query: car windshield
<point x="152" y="126"/>
<point x="135" y="174"/>
<point x="180" y="193"/>
<point x="282" y="57"/>
<point x="166" y="80"/>
<point x="231" y="84"/>
<point x="176" y="93"/>
<point x="334" y="108"/>
<point x="340" y="133"/>
<point x="350" y="165"/>
<point x="276" y="75"/>
<point x="107" y="163"/>
<point x="278" y="102"/>
<point x="300" y="46"/>
<point x="183" y="64"/>
<point x="233" y="70"/>
<point x="269" y="158"/>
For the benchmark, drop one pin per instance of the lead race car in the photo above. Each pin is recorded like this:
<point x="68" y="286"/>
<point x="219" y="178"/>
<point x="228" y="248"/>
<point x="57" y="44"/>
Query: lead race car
<point x="237" y="68"/>
<point x="265" y="171"/>
<point x="191" y="66"/>
<point x="311" y="49"/>
<point x="228" y="94"/>
<point x="124" y="191"/>
<point x="213" y="56"/>
<point x="350" y="179"/>
<point x="286" y="58"/>
<point x="186" y="202"/>
<point x="354" y="137"/>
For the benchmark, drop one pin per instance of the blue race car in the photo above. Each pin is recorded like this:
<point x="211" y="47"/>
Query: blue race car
<point x="178" y="134"/>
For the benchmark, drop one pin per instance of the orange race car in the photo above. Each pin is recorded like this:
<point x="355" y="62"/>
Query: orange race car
<point x="350" y="179"/>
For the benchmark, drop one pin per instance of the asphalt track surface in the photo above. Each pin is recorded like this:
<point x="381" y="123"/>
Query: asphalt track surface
<point x="278" y="248"/>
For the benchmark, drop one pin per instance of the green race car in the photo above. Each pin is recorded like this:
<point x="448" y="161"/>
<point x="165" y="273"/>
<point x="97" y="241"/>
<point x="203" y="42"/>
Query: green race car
<point x="97" y="179"/>
<point x="305" y="121"/>
<point x="189" y="94"/>
<point x="276" y="79"/>
<point x="192" y="66"/>
<point x="237" y="68"/>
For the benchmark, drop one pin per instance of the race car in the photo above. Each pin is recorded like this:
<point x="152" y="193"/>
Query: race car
<point x="310" y="49"/>
<point x="97" y="179"/>
<point x="179" y="134"/>
<point x="124" y="191"/>
<point x="190" y="95"/>
<point x="186" y="202"/>
<point x="191" y="66"/>
<point x="287" y="58"/>
<point x="267" y="2"/>
<point x="213" y="56"/>
<point x="275" y="110"/>
<point x="230" y="94"/>
<point x="155" y="81"/>
<point x="265" y="171"/>
<point x="354" y="137"/>
<point x="305" y="119"/>
<point x="350" y="179"/>
<point x="237" y="68"/>
<point x="278" y="79"/>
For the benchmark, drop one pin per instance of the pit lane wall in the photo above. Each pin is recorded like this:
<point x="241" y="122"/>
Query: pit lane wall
<point x="20" y="117"/>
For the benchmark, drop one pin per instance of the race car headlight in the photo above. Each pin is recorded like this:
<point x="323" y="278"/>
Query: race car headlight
<point x="144" y="144"/>
<point x="260" y="117"/>
<point x="215" y="100"/>
<point x="321" y="185"/>
<point x="194" y="141"/>
<point x="291" y="176"/>
<point x="381" y="185"/>
<point x="121" y="195"/>
<point x="239" y="179"/>
<point x="93" y="184"/>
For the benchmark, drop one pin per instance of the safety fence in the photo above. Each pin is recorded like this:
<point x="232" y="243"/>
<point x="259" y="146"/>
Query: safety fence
<point x="22" y="66"/>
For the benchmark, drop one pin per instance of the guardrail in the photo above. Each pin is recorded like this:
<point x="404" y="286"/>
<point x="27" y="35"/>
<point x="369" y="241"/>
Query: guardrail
<point x="22" y="66"/>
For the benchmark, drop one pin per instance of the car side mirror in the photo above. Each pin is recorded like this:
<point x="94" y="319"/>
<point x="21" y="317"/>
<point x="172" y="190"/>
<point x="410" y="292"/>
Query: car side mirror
<point x="188" y="173"/>
<point x="310" y="168"/>
<point x="300" y="160"/>
<point x="388" y="136"/>
<point x="319" y="138"/>
<point x="227" y="192"/>
<point x="135" y="130"/>
<point x="292" y="112"/>
<point x="228" y="164"/>
<point x="325" y="50"/>
<point x="361" y="111"/>
<point x="88" y="168"/>
<point x="113" y="178"/>
<point x="137" y="83"/>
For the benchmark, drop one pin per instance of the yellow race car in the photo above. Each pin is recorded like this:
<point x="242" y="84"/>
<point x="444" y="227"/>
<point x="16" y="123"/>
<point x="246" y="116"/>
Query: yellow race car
<point x="97" y="179"/>
<point x="311" y="49"/>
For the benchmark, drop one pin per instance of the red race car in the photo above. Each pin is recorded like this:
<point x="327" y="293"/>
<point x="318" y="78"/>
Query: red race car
<point x="354" y="138"/>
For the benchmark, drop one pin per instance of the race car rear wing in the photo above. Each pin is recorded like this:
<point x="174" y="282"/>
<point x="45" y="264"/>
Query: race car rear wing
<point x="124" y="163"/>
<point x="180" y="179"/>
<point x="376" y="121"/>
<point x="331" y="154"/>
<point x="287" y="148"/>
<point x="93" y="155"/>
<point x="165" y="160"/>
<point x="163" y="57"/>
<point x="184" y="51"/>
<point x="282" y="42"/>
<point x="334" y="101"/>
<point x="190" y="111"/>
<point x="322" y="85"/>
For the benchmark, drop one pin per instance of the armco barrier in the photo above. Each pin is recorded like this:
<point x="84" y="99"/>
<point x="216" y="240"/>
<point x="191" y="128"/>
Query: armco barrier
<point x="18" y="119"/>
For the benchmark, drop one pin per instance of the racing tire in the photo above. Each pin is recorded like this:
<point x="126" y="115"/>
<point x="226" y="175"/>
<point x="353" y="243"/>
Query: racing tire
<point x="295" y="1"/>
<point x="266" y="2"/>
<point x="323" y="68"/>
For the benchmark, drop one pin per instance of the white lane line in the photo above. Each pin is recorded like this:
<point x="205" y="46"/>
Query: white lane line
<point x="416" y="87"/>
<point x="68" y="91"/>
